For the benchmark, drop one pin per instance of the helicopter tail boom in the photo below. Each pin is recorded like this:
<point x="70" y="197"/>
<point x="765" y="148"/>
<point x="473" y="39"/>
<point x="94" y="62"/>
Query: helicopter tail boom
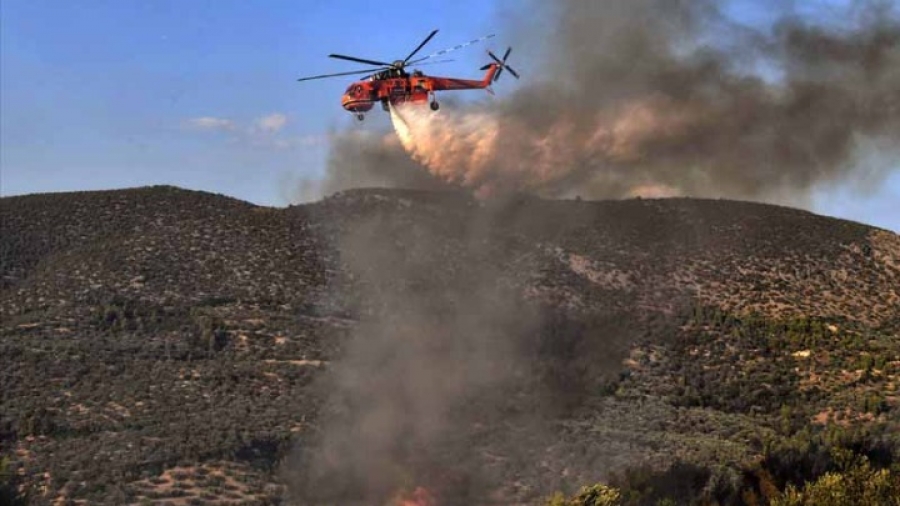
<point x="451" y="83"/>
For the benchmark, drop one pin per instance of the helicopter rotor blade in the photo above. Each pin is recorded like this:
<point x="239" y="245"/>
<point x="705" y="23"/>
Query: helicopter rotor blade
<point x="454" y="48"/>
<point x="433" y="62"/>
<point x="507" y="67"/>
<point x="356" y="72"/>
<point x="360" y="60"/>
<point x="501" y="64"/>
<point x="420" y="46"/>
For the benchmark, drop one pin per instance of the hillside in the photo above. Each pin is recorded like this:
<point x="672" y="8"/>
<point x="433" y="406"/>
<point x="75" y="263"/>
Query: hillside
<point x="181" y="347"/>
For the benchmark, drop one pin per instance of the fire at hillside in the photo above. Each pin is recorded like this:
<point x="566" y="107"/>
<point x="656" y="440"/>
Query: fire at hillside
<point x="420" y="496"/>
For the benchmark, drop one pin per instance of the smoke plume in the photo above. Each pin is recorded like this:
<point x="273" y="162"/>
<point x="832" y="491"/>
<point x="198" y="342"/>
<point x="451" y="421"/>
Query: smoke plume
<point x="361" y="159"/>
<point x="661" y="97"/>
<point x="438" y="336"/>
<point x="637" y="97"/>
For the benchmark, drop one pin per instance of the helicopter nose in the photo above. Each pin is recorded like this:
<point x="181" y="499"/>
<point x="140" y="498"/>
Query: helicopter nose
<point x="350" y="103"/>
<point x="354" y="104"/>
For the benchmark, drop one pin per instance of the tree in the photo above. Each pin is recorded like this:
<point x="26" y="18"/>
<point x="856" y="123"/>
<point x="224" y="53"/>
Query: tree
<point x="857" y="485"/>
<point x="596" y="495"/>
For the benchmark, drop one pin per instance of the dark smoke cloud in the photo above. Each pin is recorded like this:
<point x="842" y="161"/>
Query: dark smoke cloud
<point x="366" y="160"/>
<point x="628" y="97"/>
<point x="663" y="97"/>
<point x="733" y="133"/>
<point x="437" y="334"/>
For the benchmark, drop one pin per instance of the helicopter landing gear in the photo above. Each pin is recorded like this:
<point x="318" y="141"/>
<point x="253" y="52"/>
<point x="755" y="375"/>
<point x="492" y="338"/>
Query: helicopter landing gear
<point x="360" y="116"/>
<point x="434" y="103"/>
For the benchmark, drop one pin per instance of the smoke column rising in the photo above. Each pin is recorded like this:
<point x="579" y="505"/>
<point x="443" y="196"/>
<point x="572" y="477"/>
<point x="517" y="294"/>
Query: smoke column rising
<point x="662" y="97"/>
<point x="632" y="98"/>
<point x="438" y="334"/>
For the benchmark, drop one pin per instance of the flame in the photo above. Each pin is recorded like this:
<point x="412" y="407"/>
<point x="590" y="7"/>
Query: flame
<point x="418" y="497"/>
<point x="487" y="153"/>
<point x="654" y="191"/>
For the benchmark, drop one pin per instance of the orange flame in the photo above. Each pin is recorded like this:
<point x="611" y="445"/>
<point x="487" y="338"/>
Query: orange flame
<point x="418" y="497"/>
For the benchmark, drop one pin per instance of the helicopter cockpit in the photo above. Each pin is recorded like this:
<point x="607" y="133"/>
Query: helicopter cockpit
<point x="353" y="90"/>
<point x="391" y="73"/>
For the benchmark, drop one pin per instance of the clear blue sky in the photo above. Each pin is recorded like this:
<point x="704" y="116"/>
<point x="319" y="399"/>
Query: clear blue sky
<point x="202" y="94"/>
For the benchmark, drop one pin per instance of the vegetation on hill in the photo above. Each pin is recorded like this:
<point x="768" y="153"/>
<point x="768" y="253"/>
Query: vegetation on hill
<point x="161" y="345"/>
<point x="826" y="393"/>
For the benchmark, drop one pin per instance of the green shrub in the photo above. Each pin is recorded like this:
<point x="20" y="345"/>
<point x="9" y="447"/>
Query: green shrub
<point x="859" y="484"/>
<point x="595" y="495"/>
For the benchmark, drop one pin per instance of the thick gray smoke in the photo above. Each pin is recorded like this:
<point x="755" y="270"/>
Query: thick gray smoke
<point x="465" y="354"/>
<point x="364" y="159"/>
<point x="439" y="333"/>
<point x="662" y="97"/>
<point x="651" y="97"/>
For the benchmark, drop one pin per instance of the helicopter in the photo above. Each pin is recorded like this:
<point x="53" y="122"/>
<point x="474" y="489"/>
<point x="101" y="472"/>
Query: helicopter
<point x="391" y="84"/>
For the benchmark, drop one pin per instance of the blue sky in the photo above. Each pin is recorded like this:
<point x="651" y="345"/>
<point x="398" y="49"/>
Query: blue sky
<point x="102" y="94"/>
<point x="202" y="94"/>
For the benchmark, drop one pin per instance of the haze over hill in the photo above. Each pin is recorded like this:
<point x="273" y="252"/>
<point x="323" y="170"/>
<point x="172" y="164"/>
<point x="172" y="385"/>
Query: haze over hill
<point x="662" y="98"/>
<point x="174" y="345"/>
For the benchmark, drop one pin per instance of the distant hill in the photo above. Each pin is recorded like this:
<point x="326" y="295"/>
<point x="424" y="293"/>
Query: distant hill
<point x="163" y="344"/>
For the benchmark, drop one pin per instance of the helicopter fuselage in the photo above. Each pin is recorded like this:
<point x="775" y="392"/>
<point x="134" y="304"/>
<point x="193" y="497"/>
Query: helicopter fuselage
<point x="397" y="87"/>
<point x="391" y="84"/>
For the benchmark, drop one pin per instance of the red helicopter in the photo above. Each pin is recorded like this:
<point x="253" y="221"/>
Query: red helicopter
<point x="391" y="84"/>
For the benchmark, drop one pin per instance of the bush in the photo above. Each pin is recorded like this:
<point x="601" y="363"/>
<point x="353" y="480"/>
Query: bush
<point x="858" y="484"/>
<point x="596" y="495"/>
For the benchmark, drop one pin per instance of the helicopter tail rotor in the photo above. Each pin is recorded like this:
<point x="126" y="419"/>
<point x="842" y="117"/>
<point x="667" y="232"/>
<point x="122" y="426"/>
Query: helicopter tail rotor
<point x="501" y="64"/>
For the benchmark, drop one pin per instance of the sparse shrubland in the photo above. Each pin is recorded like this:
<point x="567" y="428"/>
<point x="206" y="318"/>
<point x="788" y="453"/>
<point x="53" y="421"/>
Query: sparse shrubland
<point x="160" y="344"/>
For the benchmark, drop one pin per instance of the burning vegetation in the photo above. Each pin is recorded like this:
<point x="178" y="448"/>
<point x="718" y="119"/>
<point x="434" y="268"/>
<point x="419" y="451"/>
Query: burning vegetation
<point x="420" y="496"/>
